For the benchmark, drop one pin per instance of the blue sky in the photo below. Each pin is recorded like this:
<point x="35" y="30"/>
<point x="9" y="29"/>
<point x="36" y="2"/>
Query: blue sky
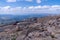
<point x="24" y="3"/>
<point x="29" y="6"/>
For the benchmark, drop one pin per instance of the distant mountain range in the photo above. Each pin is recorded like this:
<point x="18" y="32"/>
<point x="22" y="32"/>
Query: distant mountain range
<point x="8" y="19"/>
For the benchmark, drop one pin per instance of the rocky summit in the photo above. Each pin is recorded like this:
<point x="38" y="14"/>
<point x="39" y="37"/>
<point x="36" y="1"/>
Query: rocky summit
<point x="45" y="28"/>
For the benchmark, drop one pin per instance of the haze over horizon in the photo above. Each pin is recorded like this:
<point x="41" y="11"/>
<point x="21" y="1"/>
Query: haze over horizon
<point x="29" y="7"/>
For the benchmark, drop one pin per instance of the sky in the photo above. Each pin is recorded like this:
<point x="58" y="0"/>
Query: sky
<point x="29" y="6"/>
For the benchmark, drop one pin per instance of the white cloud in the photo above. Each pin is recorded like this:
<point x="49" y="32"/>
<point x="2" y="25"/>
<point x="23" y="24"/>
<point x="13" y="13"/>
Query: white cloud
<point x="38" y="1"/>
<point x="29" y="0"/>
<point x="31" y="9"/>
<point x="11" y="0"/>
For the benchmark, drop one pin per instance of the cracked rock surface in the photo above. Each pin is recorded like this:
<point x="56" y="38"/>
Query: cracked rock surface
<point x="47" y="28"/>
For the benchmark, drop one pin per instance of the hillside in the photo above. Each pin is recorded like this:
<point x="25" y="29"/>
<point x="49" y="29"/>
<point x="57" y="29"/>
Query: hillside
<point x="44" y="28"/>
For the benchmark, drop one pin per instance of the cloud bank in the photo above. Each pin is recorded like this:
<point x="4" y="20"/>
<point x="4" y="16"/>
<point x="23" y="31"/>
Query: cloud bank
<point x="29" y="10"/>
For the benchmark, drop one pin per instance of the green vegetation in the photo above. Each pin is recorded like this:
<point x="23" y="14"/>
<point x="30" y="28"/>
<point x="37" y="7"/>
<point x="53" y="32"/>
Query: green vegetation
<point x="13" y="39"/>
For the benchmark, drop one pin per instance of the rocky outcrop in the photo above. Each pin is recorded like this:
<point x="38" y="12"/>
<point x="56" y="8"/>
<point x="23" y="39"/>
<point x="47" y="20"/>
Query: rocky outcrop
<point x="47" y="28"/>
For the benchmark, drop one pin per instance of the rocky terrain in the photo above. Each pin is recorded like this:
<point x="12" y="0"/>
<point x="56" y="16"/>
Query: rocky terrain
<point x="45" y="28"/>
